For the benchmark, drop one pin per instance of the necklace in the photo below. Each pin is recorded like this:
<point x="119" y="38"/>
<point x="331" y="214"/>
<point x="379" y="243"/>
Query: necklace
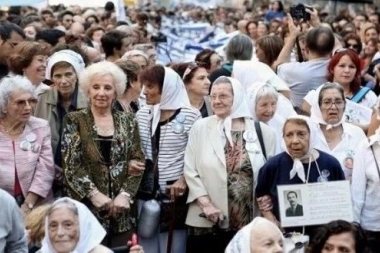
<point x="13" y="132"/>
<point x="103" y="131"/>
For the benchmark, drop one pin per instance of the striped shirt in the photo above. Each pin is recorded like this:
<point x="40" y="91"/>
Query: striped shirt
<point x="171" y="145"/>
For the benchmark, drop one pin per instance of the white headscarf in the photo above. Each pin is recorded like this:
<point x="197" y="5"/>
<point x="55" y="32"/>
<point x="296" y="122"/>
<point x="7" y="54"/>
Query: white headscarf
<point x="297" y="164"/>
<point x="376" y="137"/>
<point x="68" y="56"/>
<point x="316" y="113"/>
<point x="91" y="232"/>
<point x="252" y="97"/>
<point x="239" y="109"/>
<point x="173" y="96"/>
<point x="241" y="243"/>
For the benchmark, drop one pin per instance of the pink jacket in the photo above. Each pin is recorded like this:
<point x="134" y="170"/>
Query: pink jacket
<point x="35" y="170"/>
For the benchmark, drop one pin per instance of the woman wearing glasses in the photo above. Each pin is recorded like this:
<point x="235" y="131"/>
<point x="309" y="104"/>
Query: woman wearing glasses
<point x="195" y="77"/>
<point x="333" y="134"/>
<point x="100" y="149"/>
<point x="164" y="126"/>
<point x="26" y="158"/>
<point x="222" y="161"/>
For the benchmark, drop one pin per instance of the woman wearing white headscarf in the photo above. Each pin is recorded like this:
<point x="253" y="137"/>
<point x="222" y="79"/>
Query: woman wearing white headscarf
<point x="263" y="102"/>
<point x="254" y="237"/>
<point x="222" y="160"/>
<point x="366" y="184"/>
<point x="299" y="164"/>
<point x="164" y="127"/>
<point x="63" y="69"/>
<point x="333" y="134"/>
<point x="71" y="227"/>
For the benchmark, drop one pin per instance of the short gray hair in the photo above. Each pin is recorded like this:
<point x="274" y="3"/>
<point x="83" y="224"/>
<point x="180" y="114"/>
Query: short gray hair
<point x="102" y="69"/>
<point x="240" y="47"/>
<point x="10" y="84"/>
<point x="267" y="90"/>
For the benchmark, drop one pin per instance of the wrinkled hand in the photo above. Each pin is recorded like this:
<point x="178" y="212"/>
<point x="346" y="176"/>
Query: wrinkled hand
<point x="119" y="205"/>
<point x="212" y="213"/>
<point x="294" y="30"/>
<point x="135" y="168"/>
<point x="100" y="201"/>
<point x="265" y="203"/>
<point x="314" y="18"/>
<point x="177" y="189"/>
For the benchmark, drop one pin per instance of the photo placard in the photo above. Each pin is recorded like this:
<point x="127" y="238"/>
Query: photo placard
<point x="315" y="203"/>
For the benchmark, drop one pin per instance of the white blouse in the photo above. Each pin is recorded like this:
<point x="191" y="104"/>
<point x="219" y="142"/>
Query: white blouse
<point x="365" y="188"/>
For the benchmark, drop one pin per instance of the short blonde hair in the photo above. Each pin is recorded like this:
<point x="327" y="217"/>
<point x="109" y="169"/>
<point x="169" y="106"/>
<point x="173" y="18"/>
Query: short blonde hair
<point x="102" y="69"/>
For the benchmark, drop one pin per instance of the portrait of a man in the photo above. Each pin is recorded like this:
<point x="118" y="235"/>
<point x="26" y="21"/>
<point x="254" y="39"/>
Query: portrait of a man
<point x="295" y="208"/>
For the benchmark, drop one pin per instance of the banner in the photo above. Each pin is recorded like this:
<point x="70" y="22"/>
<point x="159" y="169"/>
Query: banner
<point x="22" y="2"/>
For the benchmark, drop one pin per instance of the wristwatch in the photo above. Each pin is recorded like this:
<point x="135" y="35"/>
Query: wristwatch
<point x="29" y="205"/>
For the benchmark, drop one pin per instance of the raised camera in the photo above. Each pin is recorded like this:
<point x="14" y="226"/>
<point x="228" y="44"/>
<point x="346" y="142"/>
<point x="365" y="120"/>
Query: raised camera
<point x="298" y="12"/>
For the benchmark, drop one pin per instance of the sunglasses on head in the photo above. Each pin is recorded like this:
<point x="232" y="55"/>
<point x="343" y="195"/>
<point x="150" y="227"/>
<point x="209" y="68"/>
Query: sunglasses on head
<point x="191" y="66"/>
<point x="343" y="50"/>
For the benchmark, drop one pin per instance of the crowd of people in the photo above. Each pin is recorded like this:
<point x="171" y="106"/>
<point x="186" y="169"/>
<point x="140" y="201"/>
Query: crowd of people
<point x="105" y="149"/>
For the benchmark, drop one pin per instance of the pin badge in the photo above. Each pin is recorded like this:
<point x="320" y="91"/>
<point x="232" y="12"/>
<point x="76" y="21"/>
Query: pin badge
<point x="31" y="137"/>
<point x="249" y="136"/>
<point x="24" y="145"/>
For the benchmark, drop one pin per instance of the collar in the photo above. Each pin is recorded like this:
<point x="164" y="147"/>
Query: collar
<point x="374" y="138"/>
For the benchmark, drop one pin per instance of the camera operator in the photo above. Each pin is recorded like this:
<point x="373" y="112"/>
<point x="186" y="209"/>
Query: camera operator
<point x="304" y="76"/>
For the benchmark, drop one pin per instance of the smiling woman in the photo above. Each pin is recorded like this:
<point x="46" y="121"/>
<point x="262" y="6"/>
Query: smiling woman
<point x="29" y="59"/>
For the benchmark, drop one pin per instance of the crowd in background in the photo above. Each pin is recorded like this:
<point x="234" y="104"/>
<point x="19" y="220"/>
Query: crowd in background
<point x="106" y="148"/>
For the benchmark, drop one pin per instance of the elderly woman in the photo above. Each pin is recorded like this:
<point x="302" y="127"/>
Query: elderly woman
<point x="71" y="227"/>
<point x="263" y="101"/>
<point x="164" y="126"/>
<point x="26" y="158"/>
<point x="365" y="185"/>
<point x="301" y="163"/>
<point x="194" y="75"/>
<point x="137" y="56"/>
<point x="100" y="145"/>
<point x="258" y="236"/>
<point x="128" y="102"/>
<point x="29" y="59"/>
<point x="222" y="160"/>
<point x="339" y="236"/>
<point x="150" y="50"/>
<point x="63" y="69"/>
<point x="333" y="135"/>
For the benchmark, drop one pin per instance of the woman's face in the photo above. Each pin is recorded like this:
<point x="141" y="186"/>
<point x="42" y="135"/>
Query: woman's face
<point x="262" y="30"/>
<point x="35" y="72"/>
<point x="252" y="30"/>
<point x="221" y="99"/>
<point x="353" y="44"/>
<point x="102" y="91"/>
<point x="266" y="108"/>
<point x="199" y="84"/>
<point x="97" y="36"/>
<point x="152" y="93"/>
<point x="340" y="243"/>
<point x="344" y="72"/>
<point x="268" y="240"/>
<point x="20" y="106"/>
<point x="370" y="48"/>
<point x="63" y="230"/>
<point x="65" y="80"/>
<point x="30" y="32"/>
<point x="297" y="139"/>
<point x="371" y="33"/>
<point x="275" y="6"/>
<point x="140" y="60"/>
<point x="332" y="106"/>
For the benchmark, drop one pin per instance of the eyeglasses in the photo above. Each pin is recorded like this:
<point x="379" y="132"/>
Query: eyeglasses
<point x="326" y="104"/>
<point x="22" y="103"/>
<point x="222" y="97"/>
<point x="354" y="46"/>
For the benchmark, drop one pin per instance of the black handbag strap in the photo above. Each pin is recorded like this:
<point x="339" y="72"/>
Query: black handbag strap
<point x="260" y="136"/>
<point x="374" y="155"/>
